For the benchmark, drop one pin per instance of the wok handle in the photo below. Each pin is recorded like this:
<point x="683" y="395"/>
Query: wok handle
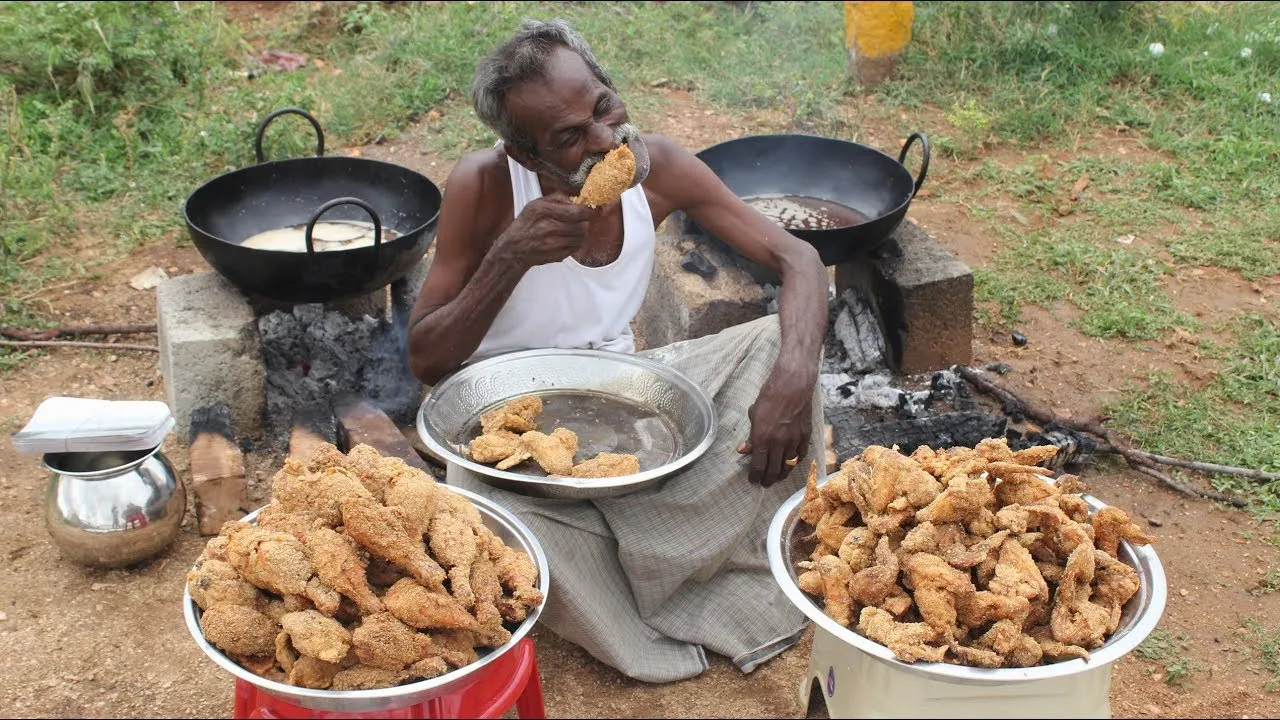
<point x="377" y="222"/>
<point x="262" y="127"/>
<point x="924" y="164"/>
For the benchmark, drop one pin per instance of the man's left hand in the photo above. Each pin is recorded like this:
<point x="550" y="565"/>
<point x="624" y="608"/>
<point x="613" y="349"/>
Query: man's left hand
<point x="781" y="424"/>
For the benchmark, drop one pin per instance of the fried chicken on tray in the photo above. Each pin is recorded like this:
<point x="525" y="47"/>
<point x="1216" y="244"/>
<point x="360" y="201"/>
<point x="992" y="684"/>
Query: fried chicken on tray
<point x="509" y="436"/>
<point x="966" y="555"/>
<point x="361" y="574"/>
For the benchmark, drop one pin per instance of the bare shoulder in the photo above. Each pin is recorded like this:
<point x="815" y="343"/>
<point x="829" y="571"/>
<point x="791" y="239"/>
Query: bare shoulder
<point x="677" y="178"/>
<point x="478" y="171"/>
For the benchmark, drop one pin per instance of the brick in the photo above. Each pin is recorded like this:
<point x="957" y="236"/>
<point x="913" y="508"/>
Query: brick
<point x="681" y="305"/>
<point x="209" y="352"/>
<point x="924" y="297"/>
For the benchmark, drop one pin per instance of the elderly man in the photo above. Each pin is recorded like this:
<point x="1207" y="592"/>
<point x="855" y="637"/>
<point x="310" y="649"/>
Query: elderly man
<point x="646" y="581"/>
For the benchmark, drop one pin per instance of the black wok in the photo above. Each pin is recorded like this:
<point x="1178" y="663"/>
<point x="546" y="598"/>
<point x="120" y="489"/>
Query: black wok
<point x="231" y="208"/>
<point x="861" y="193"/>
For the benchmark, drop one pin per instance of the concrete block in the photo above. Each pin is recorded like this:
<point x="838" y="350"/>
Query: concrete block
<point x="924" y="298"/>
<point x="681" y="305"/>
<point x="209" y="352"/>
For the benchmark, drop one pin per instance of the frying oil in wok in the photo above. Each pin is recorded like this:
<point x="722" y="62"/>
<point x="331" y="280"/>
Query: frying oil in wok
<point x="798" y="212"/>
<point x="338" y="235"/>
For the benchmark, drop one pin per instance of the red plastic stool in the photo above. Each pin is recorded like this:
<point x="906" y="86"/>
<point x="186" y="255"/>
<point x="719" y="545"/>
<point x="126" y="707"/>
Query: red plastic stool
<point x="512" y="679"/>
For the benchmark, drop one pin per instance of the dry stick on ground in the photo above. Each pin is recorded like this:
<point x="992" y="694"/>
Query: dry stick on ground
<point x="76" y="344"/>
<point x="1138" y="460"/>
<point x="32" y="334"/>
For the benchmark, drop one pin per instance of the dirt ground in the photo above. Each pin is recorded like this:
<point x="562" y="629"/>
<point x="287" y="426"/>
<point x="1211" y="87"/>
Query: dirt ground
<point x="80" y="642"/>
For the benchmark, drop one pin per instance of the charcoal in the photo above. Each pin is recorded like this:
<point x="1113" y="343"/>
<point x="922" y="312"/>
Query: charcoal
<point x="313" y="355"/>
<point x="697" y="263"/>
<point x="1018" y="338"/>
<point x="852" y="433"/>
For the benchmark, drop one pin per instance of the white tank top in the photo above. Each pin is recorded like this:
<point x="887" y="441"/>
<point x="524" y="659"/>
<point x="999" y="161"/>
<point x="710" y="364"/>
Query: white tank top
<point x="570" y="305"/>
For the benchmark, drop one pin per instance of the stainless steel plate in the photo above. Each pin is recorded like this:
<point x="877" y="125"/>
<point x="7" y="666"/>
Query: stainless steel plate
<point x="1137" y="620"/>
<point x="505" y="526"/>
<point x="615" y="402"/>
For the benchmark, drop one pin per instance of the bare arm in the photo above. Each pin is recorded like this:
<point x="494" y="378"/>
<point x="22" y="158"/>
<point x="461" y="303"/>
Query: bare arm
<point x="464" y="289"/>
<point x="471" y="278"/>
<point x="781" y="416"/>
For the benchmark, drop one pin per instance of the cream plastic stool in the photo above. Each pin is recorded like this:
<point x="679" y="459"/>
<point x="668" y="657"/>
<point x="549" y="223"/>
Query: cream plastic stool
<point x="857" y="685"/>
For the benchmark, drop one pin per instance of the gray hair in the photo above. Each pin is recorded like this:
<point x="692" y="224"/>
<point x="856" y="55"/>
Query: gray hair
<point x="522" y="57"/>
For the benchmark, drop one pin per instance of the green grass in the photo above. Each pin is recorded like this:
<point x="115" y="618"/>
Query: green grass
<point x="1267" y="643"/>
<point x="1232" y="420"/>
<point x="1170" y="649"/>
<point x="114" y="112"/>
<point x="1269" y="583"/>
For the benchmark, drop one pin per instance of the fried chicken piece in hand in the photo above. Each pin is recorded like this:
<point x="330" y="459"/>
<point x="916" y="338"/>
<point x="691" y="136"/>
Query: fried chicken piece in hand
<point x="314" y="634"/>
<point x="425" y="609"/>
<point x="609" y="178"/>
<point x="382" y="641"/>
<point x="1074" y="619"/>
<point x="908" y="641"/>
<point x="455" y="546"/>
<point x="239" y="630"/>
<point x="340" y="563"/>
<point x="385" y="532"/>
<point x="607" y="465"/>
<point x="554" y="453"/>
<point x="1111" y="525"/>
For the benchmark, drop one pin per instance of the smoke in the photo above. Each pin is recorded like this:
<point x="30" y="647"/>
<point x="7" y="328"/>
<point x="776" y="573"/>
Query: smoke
<point x="313" y="356"/>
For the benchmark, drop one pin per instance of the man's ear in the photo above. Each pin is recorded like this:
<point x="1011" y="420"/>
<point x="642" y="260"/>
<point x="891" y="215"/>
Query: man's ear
<point x="529" y="162"/>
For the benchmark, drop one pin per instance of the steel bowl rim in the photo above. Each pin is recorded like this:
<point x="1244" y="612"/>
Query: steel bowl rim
<point x="347" y="696"/>
<point x="1110" y="652"/>
<point x="108" y="472"/>
<point x="186" y="204"/>
<point x="669" y="373"/>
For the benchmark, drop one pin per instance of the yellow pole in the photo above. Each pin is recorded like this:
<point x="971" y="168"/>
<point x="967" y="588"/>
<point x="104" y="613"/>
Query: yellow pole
<point x="876" y="33"/>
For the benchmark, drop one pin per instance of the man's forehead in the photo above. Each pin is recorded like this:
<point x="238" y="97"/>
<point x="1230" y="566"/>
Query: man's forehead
<point x="550" y="101"/>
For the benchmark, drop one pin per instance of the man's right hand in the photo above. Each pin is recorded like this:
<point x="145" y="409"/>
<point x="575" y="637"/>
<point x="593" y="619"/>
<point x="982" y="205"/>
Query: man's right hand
<point x="548" y="230"/>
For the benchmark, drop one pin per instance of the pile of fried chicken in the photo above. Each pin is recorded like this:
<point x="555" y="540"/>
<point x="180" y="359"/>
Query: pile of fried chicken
<point x="362" y="573"/>
<point x="967" y="556"/>
<point x="509" y="436"/>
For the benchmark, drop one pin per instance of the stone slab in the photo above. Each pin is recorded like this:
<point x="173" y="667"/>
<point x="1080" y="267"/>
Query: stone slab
<point x="209" y="351"/>
<point x="924" y="298"/>
<point x="681" y="305"/>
